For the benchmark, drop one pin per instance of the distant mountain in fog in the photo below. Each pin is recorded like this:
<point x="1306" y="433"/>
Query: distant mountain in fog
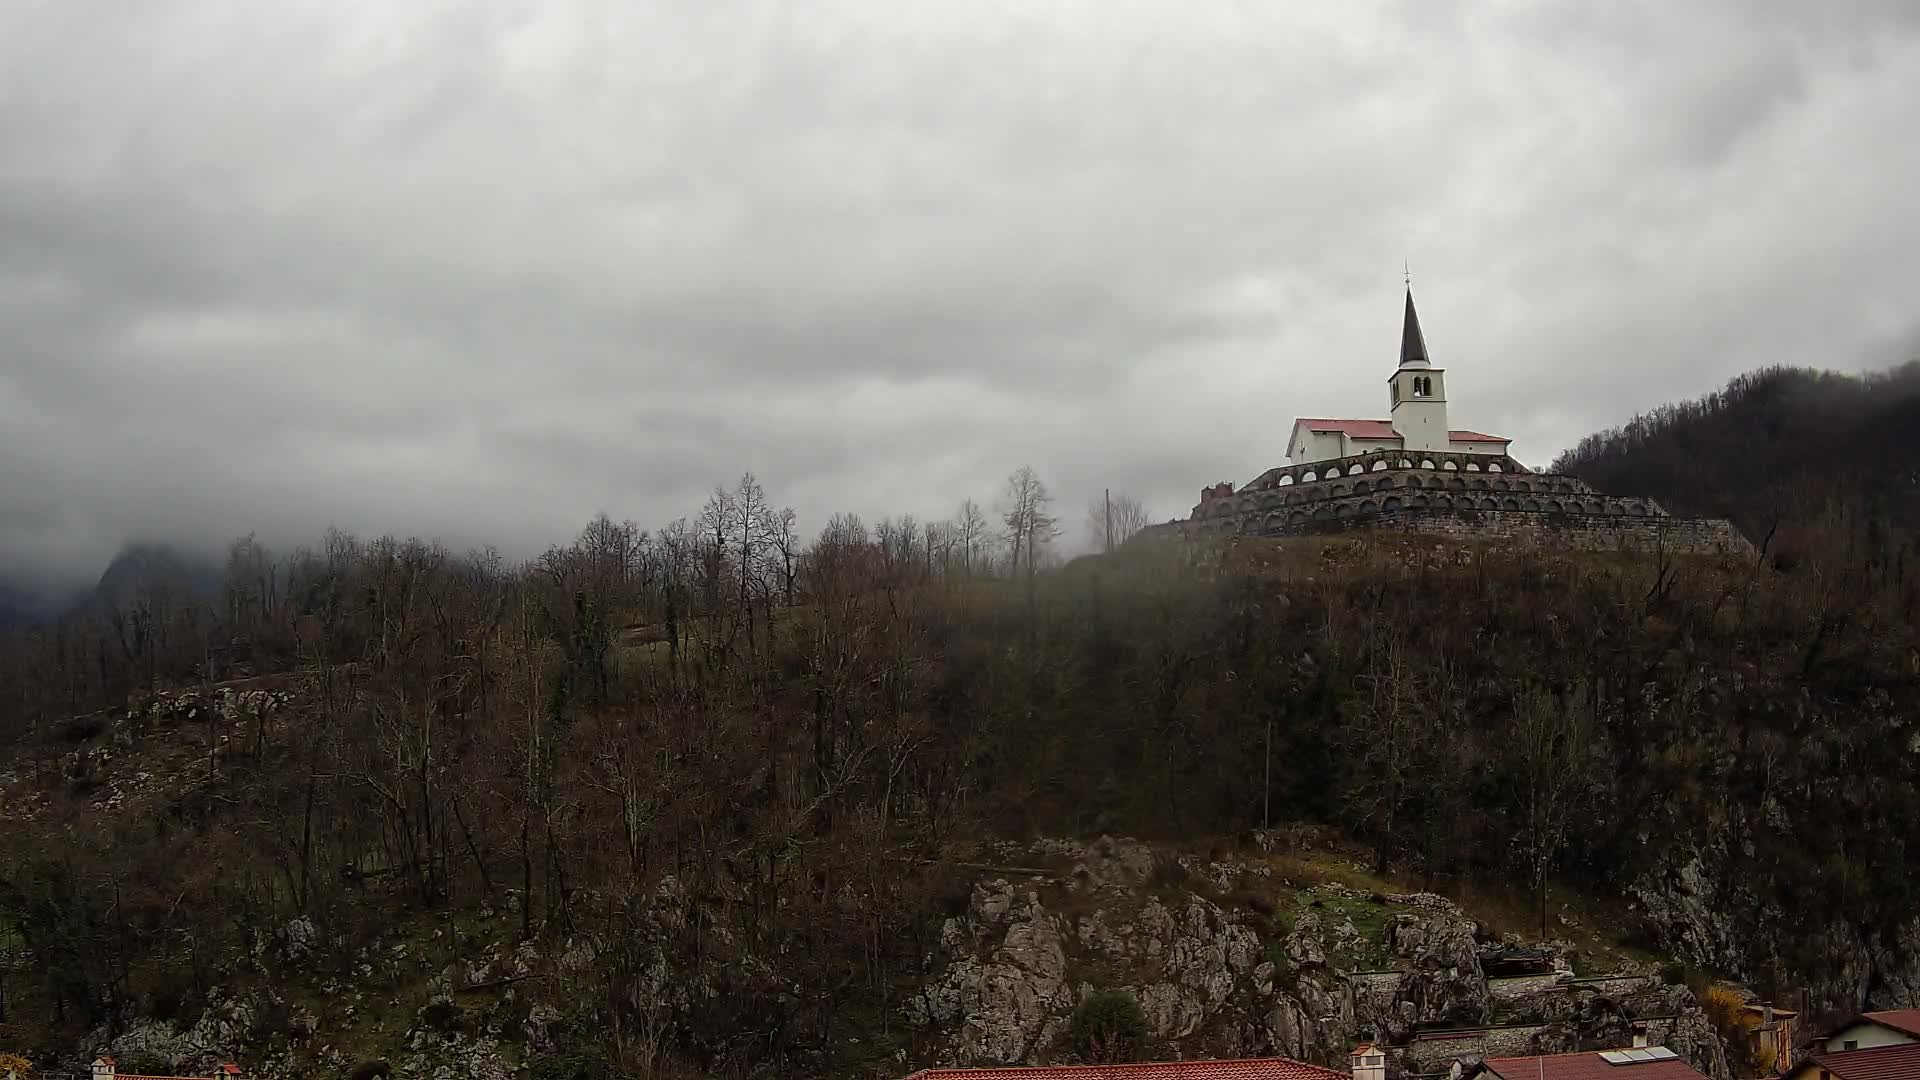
<point x="148" y="569"/>
<point x="140" y="570"/>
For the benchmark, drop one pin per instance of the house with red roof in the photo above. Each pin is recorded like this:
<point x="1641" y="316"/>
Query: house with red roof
<point x="1369" y="1063"/>
<point x="1637" y="1063"/>
<point x="1882" y="1045"/>
<point x="1890" y="1027"/>
<point x="104" y="1068"/>
<point x="1417" y="420"/>
<point x="1896" y="1061"/>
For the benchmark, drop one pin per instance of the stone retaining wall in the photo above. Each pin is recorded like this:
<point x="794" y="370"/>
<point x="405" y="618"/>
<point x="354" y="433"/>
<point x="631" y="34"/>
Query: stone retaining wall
<point x="1580" y="532"/>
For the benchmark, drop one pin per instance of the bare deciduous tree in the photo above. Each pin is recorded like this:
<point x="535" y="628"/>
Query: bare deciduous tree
<point x="1024" y="513"/>
<point x="970" y="535"/>
<point x="1114" y="518"/>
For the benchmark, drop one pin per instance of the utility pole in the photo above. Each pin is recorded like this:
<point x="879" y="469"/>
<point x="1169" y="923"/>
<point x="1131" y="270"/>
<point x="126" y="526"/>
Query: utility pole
<point x="1266" y="779"/>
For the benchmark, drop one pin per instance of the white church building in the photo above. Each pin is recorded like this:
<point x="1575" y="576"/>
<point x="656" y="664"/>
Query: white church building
<point x="1412" y="472"/>
<point x="1417" y="420"/>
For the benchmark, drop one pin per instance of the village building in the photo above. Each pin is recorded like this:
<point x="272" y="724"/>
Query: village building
<point x="1892" y="1027"/>
<point x="1871" y="1046"/>
<point x="1414" y="471"/>
<point x="1770" y="1034"/>
<point x="1369" y="1063"/>
<point x="1637" y="1063"/>
<point x="104" y="1068"/>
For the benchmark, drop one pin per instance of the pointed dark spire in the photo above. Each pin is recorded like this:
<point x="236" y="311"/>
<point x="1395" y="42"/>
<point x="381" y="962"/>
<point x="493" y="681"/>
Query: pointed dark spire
<point x="1413" y="344"/>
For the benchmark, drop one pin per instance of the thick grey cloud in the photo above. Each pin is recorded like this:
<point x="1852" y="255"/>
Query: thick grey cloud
<point x="481" y="269"/>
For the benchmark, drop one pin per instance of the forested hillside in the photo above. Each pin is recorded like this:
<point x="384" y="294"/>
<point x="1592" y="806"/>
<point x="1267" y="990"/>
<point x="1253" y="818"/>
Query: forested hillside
<point x="742" y="774"/>
<point x="1779" y="447"/>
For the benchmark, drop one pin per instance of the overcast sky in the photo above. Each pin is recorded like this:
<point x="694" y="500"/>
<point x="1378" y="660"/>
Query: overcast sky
<point x="479" y="270"/>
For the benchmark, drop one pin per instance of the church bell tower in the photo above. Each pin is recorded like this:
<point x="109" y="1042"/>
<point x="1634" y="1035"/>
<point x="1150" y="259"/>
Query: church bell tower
<point x="1419" y="390"/>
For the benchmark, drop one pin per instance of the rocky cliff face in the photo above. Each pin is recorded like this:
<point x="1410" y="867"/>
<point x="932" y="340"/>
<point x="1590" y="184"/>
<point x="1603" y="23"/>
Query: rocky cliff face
<point x="1225" y="957"/>
<point x="1703" y="911"/>
<point x="1226" y="960"/>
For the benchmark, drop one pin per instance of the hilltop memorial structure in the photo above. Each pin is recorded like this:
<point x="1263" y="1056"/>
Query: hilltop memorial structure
<point x="1414" y="471"/>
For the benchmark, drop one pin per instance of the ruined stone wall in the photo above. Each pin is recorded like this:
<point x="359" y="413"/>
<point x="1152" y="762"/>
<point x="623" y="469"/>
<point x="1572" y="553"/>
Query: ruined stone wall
<point x="1522" y="529"/>
<point x="1519" y="987"/>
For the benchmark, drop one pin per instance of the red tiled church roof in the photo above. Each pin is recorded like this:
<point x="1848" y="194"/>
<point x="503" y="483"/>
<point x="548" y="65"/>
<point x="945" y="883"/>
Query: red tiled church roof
<point x="1898" y="1062"/>
<point x="1589" y="1065"/>
<point x="1353" y="429"/>
<point x="1383" y="429"/>
<point x="1241" y="1069"/>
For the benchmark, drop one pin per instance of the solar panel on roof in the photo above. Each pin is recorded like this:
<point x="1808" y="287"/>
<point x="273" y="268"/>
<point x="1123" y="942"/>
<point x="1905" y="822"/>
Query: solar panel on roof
<point x="1661" y="1053"/>
<point x="1615" y="1057"/>
<point x="1640" y="1054"/>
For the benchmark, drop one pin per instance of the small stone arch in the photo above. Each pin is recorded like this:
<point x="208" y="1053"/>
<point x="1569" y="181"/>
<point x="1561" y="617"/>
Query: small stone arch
<point x="1275" y="521"/>
<point x="1338" y="490"/>
<point x="1287" y="480"/>
<point x="1473" y="466"/>
<point x="1297" y="518"/>
<point x="1310" y="477"/>
<point x="1332" y="471"/>
<point x="1459" y="484"/>
<point x="1477" y="484"/>
<point x="1553" y="506"/>
<point x="1406" y="463"/>
<point x="1510" y="503"/>
<point x="1594" y="507"/>
<point x="1426" y="463"/>
<point x="1414" y="482"/>
<point x="1494" y="466"/>
<point x="1533" y="504"/>
<point x="1380" y="465"/>
<point x="1420" y="502"/>
<point x="1361" y="487"/>
<point x="1367" y="506"/>
<point x="1489" y="503"/>
<point x="1392" y="504"/>
<point x="1345" y="510"/>
<point x="1321" y="513"/>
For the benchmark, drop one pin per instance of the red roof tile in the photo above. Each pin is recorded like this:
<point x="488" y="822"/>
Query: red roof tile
<point x="1353" y="429"/>
<point x="1383" y="429"/>
<point x="1589" y="1065"/>
<point x="1242" y="1069"/>
<point x="1900" y="1062"/>
<point x="1907" y="1020"/>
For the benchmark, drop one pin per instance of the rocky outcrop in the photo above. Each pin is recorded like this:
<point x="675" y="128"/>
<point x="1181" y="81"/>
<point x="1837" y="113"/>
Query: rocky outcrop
<point x="1225" y="961"/>
<point x="1209" y="976"/>
<point x="1703" y="912"/>
<point x="1223" y="958"/>
<point x="1005" y="989"/>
